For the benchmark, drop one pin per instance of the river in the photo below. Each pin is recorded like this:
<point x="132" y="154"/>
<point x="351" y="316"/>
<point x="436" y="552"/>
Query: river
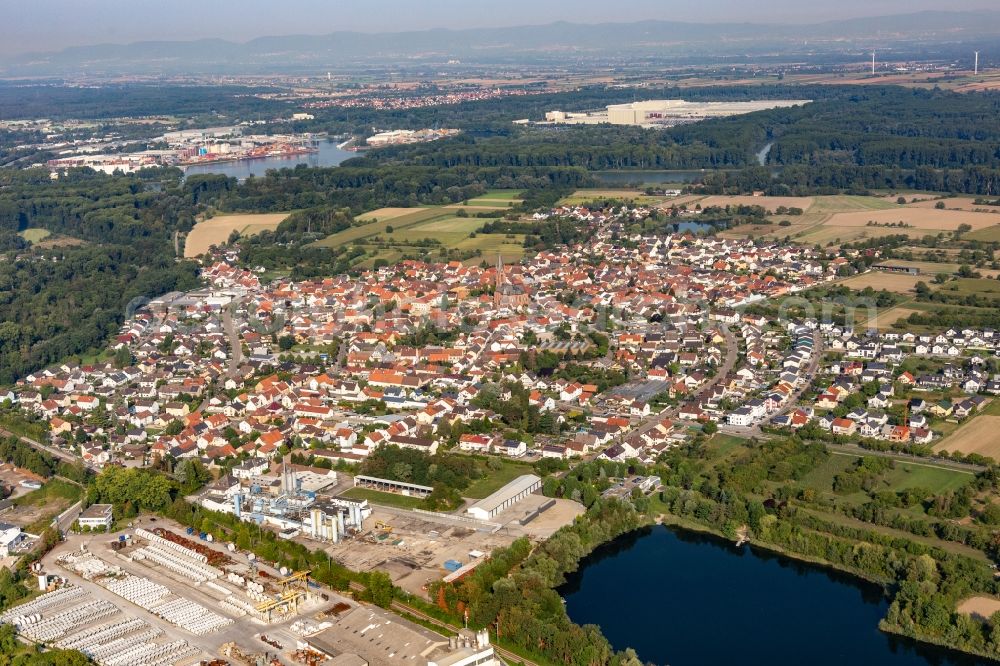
<point x="683" y="598"/>
<point x="329" y="155"/>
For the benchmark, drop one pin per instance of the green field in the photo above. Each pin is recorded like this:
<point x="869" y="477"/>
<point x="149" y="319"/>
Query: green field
<point x="449" y="230"/>
<point x="492" y="244"/>
<point x="387" y="499"/>
<point x="501" y="195"/>
<point x="401" y="222"/>
<point x="35" y="234"/>
<point x="721" y="445"/>
<point x="496" y="199"/>
<point x="905" y="476"/>
<point x="966" y="286"/>
<point x="987" y="234"/>
<point x="52" y="491"/>
<point x="494" y="480"/>
<point x="435" y="223"/>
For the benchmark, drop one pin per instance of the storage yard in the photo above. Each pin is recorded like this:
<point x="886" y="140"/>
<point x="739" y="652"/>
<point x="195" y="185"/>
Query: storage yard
<point x="158" y="594"/>
<point x="415" y="548"/>
<point x="157" y="597"/>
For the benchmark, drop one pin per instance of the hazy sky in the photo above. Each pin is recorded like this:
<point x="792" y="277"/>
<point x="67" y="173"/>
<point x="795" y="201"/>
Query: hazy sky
<point x="44" y="25"/>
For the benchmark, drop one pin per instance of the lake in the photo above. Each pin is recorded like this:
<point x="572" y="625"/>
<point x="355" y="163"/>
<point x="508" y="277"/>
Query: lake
<point x="328" y="155"/>
<point x="688" y="599"/>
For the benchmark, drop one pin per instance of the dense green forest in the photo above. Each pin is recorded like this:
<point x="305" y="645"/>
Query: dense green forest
<point x="71" y="297"/>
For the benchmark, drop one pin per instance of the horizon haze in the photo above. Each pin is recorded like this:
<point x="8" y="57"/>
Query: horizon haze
<point x="53" y="25"/>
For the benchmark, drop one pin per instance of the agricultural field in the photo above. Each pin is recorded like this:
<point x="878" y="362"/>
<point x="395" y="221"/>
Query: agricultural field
<point x="887" y="318"/>
<point x="978" y="435"/>
<point x="955" y="203"/>
<point x="965" y="286"/>
<point x="769" y="203"/>
<point x="217" y="230"/>
<point x="922" y="219"/>
<point x="34" y="235"/>
<point x="419" y="224"/>
<point x="511" y="249"/>
<point x="985" y="234"/>
<point x="449" y="230"/>
<point x="626" y="194"/>
<point x="494" y="200"/>
<point x="386" y="214"/>
<point x="895" y="282"/>
<point x="400" y="222"/>
<point x="834" y="220"/>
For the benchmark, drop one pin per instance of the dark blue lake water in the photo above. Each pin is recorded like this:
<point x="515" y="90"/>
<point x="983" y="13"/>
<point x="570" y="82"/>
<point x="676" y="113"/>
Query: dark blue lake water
<point x="687" y="599"/>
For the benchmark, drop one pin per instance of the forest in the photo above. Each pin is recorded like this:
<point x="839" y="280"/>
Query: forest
<point x="112" y="244"/>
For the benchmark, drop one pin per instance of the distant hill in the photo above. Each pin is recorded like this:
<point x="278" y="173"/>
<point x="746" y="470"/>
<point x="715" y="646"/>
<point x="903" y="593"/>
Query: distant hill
<point x="539" y="43"/>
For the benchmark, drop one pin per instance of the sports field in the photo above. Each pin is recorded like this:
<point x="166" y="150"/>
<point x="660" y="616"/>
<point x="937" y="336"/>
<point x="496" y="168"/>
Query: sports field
<point x="216" y="230"/>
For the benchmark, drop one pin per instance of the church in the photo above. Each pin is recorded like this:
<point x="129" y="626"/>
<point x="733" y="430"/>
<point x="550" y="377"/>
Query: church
<point x="506" y="294"/>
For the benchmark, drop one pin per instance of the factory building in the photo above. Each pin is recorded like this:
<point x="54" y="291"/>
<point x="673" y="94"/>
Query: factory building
<point x="667" y="112"/>
<point x="506" y="497"/>
<point x="290" y="501"/>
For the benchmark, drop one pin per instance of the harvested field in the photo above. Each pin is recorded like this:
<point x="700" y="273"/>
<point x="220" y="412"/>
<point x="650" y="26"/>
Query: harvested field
<point x="889" y="317"/>
<point x="217" y="230"/>
<point x="608" y="194"/>
<point x="976" y="436"/>
<point x="917" y="218"/>
<point x="770" y="203"/>
<point x="385" y="214"/>
<point x="898" y="283"/>
<point x="825" y="233"/>
<point x="980" y="607"/>
<point x="954" y="203"/>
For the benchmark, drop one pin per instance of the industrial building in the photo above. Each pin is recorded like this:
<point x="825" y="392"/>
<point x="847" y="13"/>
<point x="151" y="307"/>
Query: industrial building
<point x="291" y="502"/>
<point x="390" y="486"/>
<point x="667" y="112"/>
<point x="10" y="537"/>
<point x="96" y="516"/>
<point x="370" y="637"/>
<point x="506" y="497"/>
